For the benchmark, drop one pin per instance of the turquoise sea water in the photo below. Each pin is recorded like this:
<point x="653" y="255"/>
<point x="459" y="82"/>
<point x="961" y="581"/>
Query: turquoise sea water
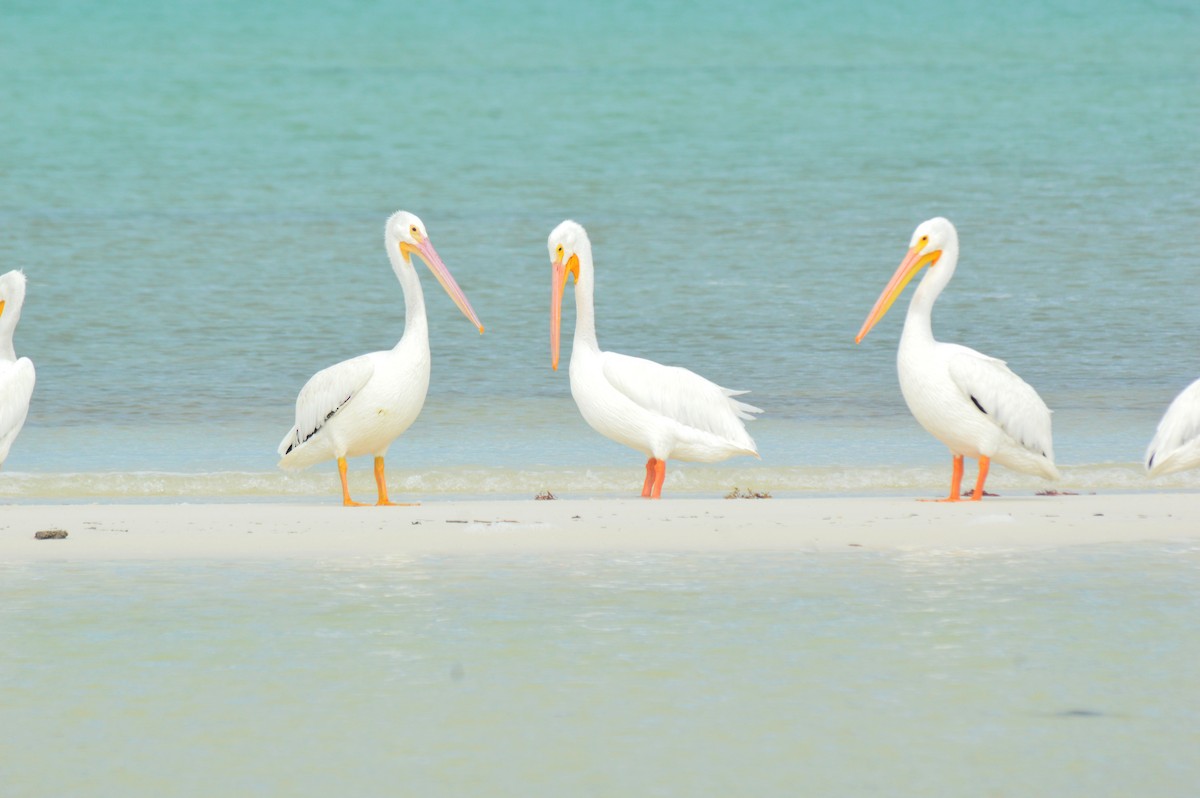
<point x="197" y="194"/>
<point x="1067" y="673"/>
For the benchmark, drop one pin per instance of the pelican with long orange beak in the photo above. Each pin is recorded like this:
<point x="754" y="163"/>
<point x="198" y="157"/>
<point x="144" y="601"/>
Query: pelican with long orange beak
<point x="661" y="411"/>
<point x="971" y="402"/>
<point x="360" y="406"/>
<point x="17" y="375"/>
<point x="1176" y="444"/>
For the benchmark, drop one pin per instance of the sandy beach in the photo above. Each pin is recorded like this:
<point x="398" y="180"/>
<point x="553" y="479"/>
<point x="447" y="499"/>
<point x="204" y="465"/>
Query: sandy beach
<point x="269" y="531"/>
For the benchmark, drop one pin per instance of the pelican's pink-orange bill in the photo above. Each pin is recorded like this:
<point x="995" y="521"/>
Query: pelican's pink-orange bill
<point x="908" y="268"/>
<point x="427" y="253"/>
<point x="558" y="284"/>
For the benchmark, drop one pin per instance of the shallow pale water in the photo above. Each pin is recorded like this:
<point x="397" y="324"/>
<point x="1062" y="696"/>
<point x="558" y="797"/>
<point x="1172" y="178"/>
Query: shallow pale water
<point x="197" y="195"/>
<point x="1065" y="673"/>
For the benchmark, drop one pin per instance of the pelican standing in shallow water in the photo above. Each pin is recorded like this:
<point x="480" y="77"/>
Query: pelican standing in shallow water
<point x="361" y="405"/>
<point x="16" y="374"/>
<point x="971" y="402"/>
<point x="1176" y="445"/>
<point x="661" y="411"/>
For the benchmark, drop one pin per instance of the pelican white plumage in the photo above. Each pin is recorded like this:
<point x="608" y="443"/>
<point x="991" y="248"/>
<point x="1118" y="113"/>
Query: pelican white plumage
<point x="971" y="402"/>
<point x="360" y="406"/>
<point x="661" y="411"/>
<point x="1176" y="444"/>
<point x="17" y="375"/>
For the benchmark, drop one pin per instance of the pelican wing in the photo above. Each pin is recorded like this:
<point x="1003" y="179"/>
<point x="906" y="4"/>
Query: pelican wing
<point x="680" y="394"/>
<point x="1007" y="399"/>
<point x="326" y="392"/>
<point x="16" y="389"/>
<point x="1178" y="431"/>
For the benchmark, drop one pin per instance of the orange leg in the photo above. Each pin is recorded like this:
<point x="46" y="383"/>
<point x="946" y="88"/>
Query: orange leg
<point x="346" y="500"/>
<point x="381" y="485"/>
<point x="955" y="482"/>
<point x="660" y="473"/>
<point x="984" y="462"/>
<point x="648" y="485"/>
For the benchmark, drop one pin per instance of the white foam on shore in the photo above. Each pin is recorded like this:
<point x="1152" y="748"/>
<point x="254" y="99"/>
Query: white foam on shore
<point x="483" y="482"/>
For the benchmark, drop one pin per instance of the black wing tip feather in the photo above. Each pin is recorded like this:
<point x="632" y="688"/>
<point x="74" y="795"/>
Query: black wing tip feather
<point x="319" y="427"/>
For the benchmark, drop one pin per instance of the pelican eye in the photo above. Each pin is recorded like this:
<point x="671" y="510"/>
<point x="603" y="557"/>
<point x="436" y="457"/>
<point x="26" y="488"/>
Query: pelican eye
<point x="414" y="231"/>
<point x="559" y="251"/>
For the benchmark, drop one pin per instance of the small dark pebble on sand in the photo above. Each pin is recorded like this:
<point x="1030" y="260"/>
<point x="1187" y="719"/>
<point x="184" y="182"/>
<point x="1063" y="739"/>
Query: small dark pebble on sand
<point x="50" y="534"/>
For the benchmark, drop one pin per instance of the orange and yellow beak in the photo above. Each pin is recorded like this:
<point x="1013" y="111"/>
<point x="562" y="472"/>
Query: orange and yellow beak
<point x="1" y="307"/>
<point x="912" y="263"/>
<point x="425" y="251"/>
<point x="558" y="283"/>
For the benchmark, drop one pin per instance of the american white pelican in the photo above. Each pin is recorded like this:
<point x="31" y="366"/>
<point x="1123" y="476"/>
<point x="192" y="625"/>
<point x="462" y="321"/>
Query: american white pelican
<point x="971" y="402"/>
<point x="361" y="405"/>
<point x="1176" y="445"/>
<point x="16" y="374"/>
<point x="662" y="411"/>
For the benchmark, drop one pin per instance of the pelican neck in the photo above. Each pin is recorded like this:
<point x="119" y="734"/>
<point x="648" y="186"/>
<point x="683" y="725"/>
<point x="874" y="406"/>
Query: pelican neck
<point x="585" y="313"/>
<point x="8" y="354"/>
<point x="415" y="322"/>
<point x="918" y="324"/>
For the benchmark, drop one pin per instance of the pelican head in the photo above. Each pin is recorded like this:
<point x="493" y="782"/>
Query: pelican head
<point x="405" y="235"/>
<point x="929" y="241"/>
<point x="12" y="297"/>
<point x="567" y="243"/>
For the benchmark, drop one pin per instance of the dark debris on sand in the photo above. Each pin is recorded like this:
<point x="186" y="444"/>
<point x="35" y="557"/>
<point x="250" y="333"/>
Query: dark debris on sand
<point x="747" y="494"/>
<point x="50" y="534"/>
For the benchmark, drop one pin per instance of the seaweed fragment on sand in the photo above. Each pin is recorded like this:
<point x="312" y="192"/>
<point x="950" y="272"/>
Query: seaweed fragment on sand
<point x="50" y="534"/>
<point x="747" y="494"/>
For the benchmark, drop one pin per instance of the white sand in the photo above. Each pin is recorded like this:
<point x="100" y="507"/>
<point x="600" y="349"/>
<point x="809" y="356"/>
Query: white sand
<point x="271" y="531"/>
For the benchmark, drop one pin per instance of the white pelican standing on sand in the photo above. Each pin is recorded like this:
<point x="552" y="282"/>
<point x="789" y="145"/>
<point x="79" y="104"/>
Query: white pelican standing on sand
<point x="661" y="411"/>
<point x="1176" y="445"/>
<point x="361" y="405"/>
<point x="16" y="374"/>
<point x="971" y="402"/>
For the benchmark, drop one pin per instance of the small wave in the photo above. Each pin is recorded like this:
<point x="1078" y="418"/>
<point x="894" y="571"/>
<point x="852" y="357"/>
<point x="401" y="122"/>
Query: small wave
<point x="564" y="482"/>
